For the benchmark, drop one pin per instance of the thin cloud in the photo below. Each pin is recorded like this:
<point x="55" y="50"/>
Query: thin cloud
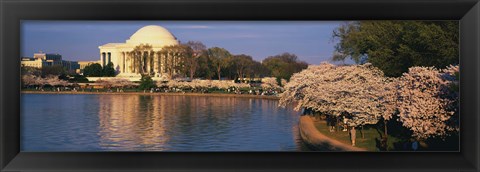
<point x="232" y="36"/>
<point x="243" y="36"/>
<point x="192" y="27"/>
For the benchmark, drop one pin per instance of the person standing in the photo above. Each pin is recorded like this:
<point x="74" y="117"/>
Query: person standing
<point x="415" y="145"/>
<point x="331" y="123"/>
<point x="353" y="135"/>
<point x="345" y="124"/>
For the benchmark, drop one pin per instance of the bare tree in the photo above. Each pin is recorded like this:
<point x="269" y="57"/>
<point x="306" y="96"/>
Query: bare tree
<point x="191" y="60"/>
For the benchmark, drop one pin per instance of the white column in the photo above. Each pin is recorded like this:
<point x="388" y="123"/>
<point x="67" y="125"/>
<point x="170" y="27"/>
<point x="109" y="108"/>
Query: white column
<point x="123" y="63"/>
<point x="130" y="63"/>
<point x="142" y="62"/>
<point x="174" y="64"/>
<point x="148" y="62"/>
<point x="128" y="60"/>
<point x="101" y="58"/>
<point x="162" y="63"/>
<point x="135" y="61"/>
<point x="155" y="63"/>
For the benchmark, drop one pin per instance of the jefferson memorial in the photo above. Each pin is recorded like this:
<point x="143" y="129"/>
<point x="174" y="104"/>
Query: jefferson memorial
<point x="149" y="51"/>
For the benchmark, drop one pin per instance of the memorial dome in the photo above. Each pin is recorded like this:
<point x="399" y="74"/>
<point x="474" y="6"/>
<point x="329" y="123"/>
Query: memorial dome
<point x="153" y="35"/>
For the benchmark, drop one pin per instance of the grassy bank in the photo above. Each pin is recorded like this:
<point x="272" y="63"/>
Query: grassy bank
<point x="371" y="139"/>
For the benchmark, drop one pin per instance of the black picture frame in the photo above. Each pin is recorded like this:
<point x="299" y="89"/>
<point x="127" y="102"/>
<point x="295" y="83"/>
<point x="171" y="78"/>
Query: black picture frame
<point x="14" y="11"/>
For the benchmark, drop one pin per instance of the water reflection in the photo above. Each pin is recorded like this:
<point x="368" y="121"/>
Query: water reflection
<point x="159" y="123"/>
<point x="131" y="122"/>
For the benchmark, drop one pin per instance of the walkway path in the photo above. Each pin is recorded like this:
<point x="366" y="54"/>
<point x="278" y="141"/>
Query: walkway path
<point x="313" y="137"/>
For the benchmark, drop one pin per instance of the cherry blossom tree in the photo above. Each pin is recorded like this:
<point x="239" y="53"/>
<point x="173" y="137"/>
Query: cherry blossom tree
<point x="356" y="90"/>
<point x="389" y="97"/>
<point x="283" y="82"/>
<point x="119" y="83"/>
<point x="29" y="80"/>
<point x="41" y="82"/>
<point x="105" y="83"/>
<point x="270" y="83"/>
<point x="222" y="84"/>
<point x="452" y="75"/>
<point x="54" y="81"/>
<point x="177" y="84"/>
<point x="425" y="100"/>
<point x="196" y="83"/>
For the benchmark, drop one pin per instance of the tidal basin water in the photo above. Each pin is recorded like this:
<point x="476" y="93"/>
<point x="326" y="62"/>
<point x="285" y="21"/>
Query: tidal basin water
<point x="63" y="122"/>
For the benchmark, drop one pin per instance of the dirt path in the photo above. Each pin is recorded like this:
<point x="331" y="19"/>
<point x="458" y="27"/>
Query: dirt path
<point x="312" y="136"/>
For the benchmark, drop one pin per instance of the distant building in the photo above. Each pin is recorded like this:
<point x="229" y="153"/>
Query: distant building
<point x="70" y="66"/>
<point x="51" y="59"/>
<point x="42" y="59"/>
<point x="32" y="62"/>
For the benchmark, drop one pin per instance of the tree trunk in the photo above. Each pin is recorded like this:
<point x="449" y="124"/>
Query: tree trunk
<point x="385" y="133"/>
<point x="361" y="131"/>
<point x="336" y="124"/>
<point x="191" y="73"/>
<point x="241" y="75"/>
<point x="218" y="72"/>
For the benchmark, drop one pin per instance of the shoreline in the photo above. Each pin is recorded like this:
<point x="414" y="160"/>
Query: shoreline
<point x="162" y="94"/>
<point x="314" y="138"/>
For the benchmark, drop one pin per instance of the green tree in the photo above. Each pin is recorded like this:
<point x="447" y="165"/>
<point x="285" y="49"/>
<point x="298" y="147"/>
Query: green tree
<point x="28" y="70"/>
<point x="220" y="58"/>
<point x="146" y="82"/>
<point x="284" y="65"/>
<point x="395" y="46"/>
<point x="108" y="70"/>
<point x="240" y="64"/>
<point x="257" y="70"/>
<point x="205" y="67"/>
<point x="56" y="70"/>
<point x="78" y="78"/>
<point x="93" y="70"/>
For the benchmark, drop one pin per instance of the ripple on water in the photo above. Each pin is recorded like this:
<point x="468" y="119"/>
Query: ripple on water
<point x="155" y="123"/>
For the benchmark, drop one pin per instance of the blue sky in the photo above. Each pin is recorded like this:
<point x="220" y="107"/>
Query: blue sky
<point x="311" y="41"/>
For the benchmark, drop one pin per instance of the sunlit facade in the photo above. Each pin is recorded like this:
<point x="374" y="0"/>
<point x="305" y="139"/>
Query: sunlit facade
<point x="143" y="53"/>
<point x="41" y="60"/>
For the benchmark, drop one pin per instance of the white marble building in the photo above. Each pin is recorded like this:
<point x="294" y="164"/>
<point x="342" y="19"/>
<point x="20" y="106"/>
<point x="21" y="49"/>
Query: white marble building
<point x="150" y="50"/>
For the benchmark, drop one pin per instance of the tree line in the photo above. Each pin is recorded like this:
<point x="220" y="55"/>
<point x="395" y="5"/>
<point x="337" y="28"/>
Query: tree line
<point x="198" y="61"/>
<point x="49" y="71"/>
<point x="395" y="46"/>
